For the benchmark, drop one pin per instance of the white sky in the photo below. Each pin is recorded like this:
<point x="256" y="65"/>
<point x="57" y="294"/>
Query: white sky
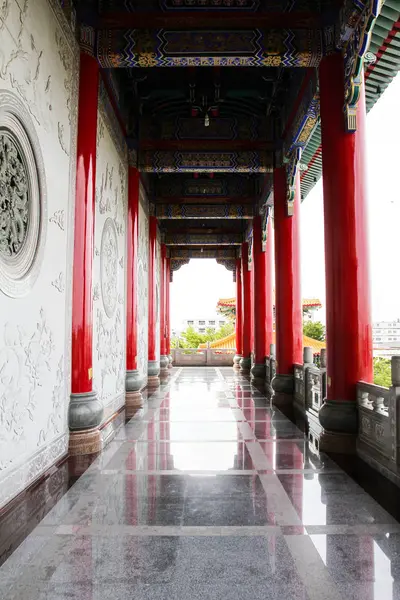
<point x="198" y="285"/>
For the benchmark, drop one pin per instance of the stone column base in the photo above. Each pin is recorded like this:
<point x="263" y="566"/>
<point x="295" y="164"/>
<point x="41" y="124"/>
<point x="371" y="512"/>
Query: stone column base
<point x="85" y="411"/>
<point x="133" y="402"/>
<point x="283" y="384"/>
<point x="236" y="360"/>
<point x="164" y="363"/>
<point x="258" y="372"/>
<point x="85" y="442"/>
<point x="339" y="420"/>
<point x="170" y="361"/>
<point x="245" y="364"/>
<point x="153" y="381"/>
<point x="133" y="381"/>
<point x="336" y="442"/>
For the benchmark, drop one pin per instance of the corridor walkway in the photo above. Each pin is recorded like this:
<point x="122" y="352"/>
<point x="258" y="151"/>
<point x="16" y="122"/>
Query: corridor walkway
<point x="208" y="493"/>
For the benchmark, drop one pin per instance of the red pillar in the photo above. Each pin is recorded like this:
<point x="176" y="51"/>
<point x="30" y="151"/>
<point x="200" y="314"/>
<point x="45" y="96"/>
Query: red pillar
<point x="134" y="380"/>
<point x="239" y="318"/>
<point x="259" y="310"/>
<point x="164" y="360"/>
<point x="289" y="322"/>
<point x="269" y="308"/>
<point x="245" y="362"/>
<point x="348" y="317"/>
<point x="153" y="363"/>
<point x="168" y="308"/>
<point x="85" y="410"/>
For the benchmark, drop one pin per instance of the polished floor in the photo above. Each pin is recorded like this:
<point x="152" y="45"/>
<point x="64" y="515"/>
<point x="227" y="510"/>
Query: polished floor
<point x="209" y="493"/>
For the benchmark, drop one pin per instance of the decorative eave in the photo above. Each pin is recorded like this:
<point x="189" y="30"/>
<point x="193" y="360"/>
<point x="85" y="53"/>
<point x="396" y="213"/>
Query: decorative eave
<point x="385" y="45"/>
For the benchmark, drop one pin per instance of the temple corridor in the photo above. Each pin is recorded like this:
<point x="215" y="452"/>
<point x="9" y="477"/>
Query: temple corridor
<point x="208" y="492"/>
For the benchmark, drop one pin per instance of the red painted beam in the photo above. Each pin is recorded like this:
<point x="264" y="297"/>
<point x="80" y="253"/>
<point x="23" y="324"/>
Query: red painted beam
<point x="210" y="20"/>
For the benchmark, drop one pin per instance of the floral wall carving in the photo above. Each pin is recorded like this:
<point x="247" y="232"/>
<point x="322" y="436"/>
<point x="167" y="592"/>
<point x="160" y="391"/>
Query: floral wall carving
<point x="109" y="337"/>
<point x="39" y="62"/>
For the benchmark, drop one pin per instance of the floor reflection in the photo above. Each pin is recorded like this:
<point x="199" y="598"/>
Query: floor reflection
<point x="208" y="492"/>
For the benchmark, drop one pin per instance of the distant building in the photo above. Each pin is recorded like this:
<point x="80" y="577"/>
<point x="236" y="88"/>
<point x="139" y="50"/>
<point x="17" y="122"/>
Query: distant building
<point x="386" y="338"/>
<point x="200" y="325"/>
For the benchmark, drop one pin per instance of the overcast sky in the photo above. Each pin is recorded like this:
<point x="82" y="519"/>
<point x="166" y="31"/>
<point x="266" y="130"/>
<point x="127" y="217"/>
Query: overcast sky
<point x="198" y="285"/>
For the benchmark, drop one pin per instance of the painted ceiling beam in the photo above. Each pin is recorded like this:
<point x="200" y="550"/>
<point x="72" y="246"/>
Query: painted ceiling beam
<point x="131" y="48"/>
<point x="205" y="200"/>
<point x="183" y="20"/>
<point x="164" y="161"/>
<point x="181" y="254"/>
<point x="206" y="145"/>
<point x="199" y="239"/>
<point x="204" y="211"/>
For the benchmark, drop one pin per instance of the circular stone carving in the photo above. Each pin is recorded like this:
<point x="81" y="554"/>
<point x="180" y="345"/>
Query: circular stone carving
<point x="22" y="199"/>
<point x="109" y="267"/>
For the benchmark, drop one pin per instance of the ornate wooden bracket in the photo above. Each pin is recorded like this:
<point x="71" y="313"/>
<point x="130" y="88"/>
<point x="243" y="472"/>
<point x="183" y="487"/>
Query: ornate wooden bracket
<point x="354" y="52"/>
<point x="292" y="166"/>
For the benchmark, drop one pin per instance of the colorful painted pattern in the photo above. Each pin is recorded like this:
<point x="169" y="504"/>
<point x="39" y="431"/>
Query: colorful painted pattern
<point x="193" y="162"/>
<point x="204" y="211"/>
<point x="218" y="253"/>
<point x="194" y="239"/>
<point x="210" y="4"/>
<point x="192" y="128"/>
<point x="209" y="48"/>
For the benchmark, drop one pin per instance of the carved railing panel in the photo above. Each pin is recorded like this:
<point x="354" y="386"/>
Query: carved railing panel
<point x="377" y="420"/>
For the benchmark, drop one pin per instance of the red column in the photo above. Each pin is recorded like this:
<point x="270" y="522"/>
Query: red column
<point x="164" y="360"/>
<point x="153" y="363"/>
<point x="348" y="318"/>
<point x="245" y="362"/>
<point x="289" y="322"/>
<point x="269" y="315"/>
<point x="168" y="308"/>
<point x="85" y="410"/>
<point x="259" y="301"/>
<point x="134" y="380"/>
<point x="238" y="323"/>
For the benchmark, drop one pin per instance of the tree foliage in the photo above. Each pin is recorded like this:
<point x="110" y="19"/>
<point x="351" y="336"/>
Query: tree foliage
<point x="190" y="338"/>
<point x="382" y="371"/>
<point x="316" y="330"/>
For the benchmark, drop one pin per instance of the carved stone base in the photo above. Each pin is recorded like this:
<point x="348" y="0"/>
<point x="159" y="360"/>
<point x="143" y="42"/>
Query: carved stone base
<point x="245" y="364"/>
<point x="280" y="399"/>
<point x="133" y="381"/>
<point x="164" y="362"/>
<point x="85" y="411"/>
<point x="153" y="381"/>
<point x="153" y="368"/>
<point x="339" y="416"/>
<point x="85" y="442"/>
<point x="236" y="361"/>
<point x="283" y="384"/>
<point x="258" y="372"/>
<point x="337" y="442"/>
<point x="133" y="402"/>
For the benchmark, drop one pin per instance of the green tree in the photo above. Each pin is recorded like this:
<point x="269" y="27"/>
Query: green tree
<point x="382" y="372"/>
<point x="224" y="331"/>
<point x="316" y="330"/>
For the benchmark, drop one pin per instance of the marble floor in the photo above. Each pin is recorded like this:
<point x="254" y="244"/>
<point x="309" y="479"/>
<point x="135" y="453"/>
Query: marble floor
<point x="209" y="493"/>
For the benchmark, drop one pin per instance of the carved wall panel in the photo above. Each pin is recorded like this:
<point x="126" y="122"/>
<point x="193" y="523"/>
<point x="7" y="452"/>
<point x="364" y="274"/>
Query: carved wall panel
<point x="39" y="63"/>
<point x="143" y="283"/>
<point x="109" y="338"/>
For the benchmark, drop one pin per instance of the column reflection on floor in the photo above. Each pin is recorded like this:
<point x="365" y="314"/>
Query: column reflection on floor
<point x="209" y="492"/>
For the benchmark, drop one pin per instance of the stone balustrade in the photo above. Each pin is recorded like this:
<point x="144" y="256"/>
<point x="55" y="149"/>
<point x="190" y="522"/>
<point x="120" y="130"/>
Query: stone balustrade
<point x="378" y="431"/>
<point x="197" y="357"/>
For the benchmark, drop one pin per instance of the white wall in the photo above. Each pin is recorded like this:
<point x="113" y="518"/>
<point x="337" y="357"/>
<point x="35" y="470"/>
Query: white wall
<point x="109" y="285"/>
<point x="143" y="284"/>
<point x="39" y="66"/>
